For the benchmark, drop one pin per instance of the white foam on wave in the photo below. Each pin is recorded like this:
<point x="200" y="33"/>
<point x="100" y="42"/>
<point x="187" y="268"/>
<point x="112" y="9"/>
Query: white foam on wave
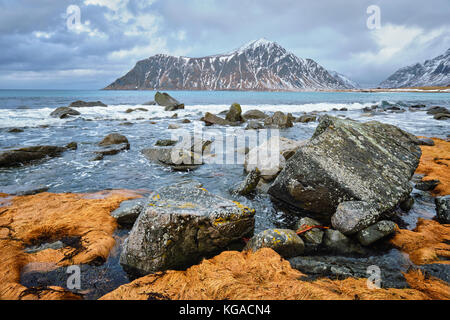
<point x="39" y="117"/>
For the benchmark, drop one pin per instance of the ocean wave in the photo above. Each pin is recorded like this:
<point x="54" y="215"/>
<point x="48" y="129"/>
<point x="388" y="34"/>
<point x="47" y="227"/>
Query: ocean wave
<point x="41" y="117"/>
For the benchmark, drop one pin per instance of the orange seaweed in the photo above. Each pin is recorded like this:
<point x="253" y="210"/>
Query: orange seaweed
<point x="435" y="165"/>
<point x="47" y="217"/>
<point x="260" y="275"/>
<point x="427" y="243"/>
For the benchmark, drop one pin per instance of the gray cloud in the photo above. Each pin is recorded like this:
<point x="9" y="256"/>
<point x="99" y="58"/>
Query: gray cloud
<point x="36" y="43"/>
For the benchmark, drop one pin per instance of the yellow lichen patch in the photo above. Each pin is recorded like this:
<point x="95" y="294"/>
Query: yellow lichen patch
<point x="47" y="217"/>
<point x="260" y="275"/>
<point x="435" y="165"/>
<point x="187" y="205"/>
<point x="427" y="243"/>
<point x="244" y="209"/>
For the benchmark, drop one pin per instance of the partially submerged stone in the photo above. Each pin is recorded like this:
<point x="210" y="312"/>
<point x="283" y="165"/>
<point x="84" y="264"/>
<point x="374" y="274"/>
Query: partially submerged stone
<point x="279" y="120"/>
<point x="64" y="112"/>
<point x="376" y="232"/>
<point x="284" y="241"/>
<point x="346" y="160"/>
<point x="128" y="212"/>
<point x="211" y="119"/>
<point x="84" y="104"/>
<point x="443" y="209"/>
<point x="15" y="157"/>
<point x="254" y="115"/>
<point x="112" y="139"/>
<point x="249" y="184"/>
<point x="165" y="100"/>
<point x="181" y="224"/>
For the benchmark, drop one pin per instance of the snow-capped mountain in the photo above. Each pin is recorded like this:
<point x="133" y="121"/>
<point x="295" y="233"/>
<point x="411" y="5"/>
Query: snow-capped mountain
<point x="258" y="65"/>
<point x="435" y="72"/>
<point x="350" y="84"/>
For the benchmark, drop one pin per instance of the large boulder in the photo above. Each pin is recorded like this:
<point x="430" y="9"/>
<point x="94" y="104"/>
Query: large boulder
<point x="284" y="241"/>
<point x="347" y="160"/>
<point x="84" y="104"/>
<point x="443" y="209"/>
<point x="181" y="224"/>
<point x="235" y="113"/>
<point x="11" y="158"/>
<point x="64" y="112"/>
<point x="279" y="120"/>
<point x="165" y="100"/>
<point x="270" y="156"/>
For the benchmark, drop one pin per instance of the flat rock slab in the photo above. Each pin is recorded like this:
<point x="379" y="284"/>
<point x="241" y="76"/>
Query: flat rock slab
<point x="16" y="157"/>
<point x="181" y="224"/>
<point x="346" y="160"/>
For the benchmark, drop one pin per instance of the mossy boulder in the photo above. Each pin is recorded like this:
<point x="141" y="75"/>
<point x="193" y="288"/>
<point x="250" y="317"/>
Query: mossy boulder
<point x="181" y="224"/>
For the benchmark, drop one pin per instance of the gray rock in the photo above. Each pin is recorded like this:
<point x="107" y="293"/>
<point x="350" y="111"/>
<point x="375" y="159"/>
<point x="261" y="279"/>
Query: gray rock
<point x="15" y="157"/>
<point x="149" y="103"/>
<point x="392" y="266"/>
<point x="376" y="232"/>
<point x="306" y="118"/>
<point x="64" y="112"/>
<point x="437" y="109"/>
<point x="254" y="115"/>
<point x="407" y="205"/>
<point x="427" y="185"/>
<point x="337" y="242"/>
<point x="254" y="125"/>
<point x="249" y="184"/>
<point x="84" y="104"/>
<point x="354" y="216"/>
<point x="442" y="116"/>
<point x="111" y="151"/>
<point x="180" y="225"/>
<point x="235" y="113"/>
<point x="173" y="126"/>
<point x="165" y="143"/>
<point x="211" y="119"/>
<point x="284" y="241"/>
<point x="312" y="238"/>
<point x="270" y="156"/>
<point x="425" y="142"/>
<point x="165" y="100"/>
<point x="346" y="160"/>
<point x="128" y="212"/>
<point x="443" y="209"/>
<point x="112" y="139"/>
<point x="279" y="120"/>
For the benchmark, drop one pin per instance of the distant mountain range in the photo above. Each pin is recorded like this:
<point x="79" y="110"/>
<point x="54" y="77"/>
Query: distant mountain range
<point x="259" y="65"/>
<point x="434" y="72"/>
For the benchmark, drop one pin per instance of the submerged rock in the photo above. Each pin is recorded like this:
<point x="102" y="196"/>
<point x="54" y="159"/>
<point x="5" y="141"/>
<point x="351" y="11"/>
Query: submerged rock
<point x="284" y="241"/>
<point x="15" y="130"/>
<point x="254" y="115"/>
<point x="443" y="209"/>
<point x="112" y="139"/>
<point x="346" y="160"/>
<point x="11" y="158"/>
<point x="83" y="104"/>
<point x="64" y="112"/>
<point x="111" y="151"/>
<point x="181" y="224"/>
<point x="376" y="232"/>
<point x="170" y="103"/>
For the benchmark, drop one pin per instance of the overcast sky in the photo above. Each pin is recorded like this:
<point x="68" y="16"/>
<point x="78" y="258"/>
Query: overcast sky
<point x="39" y="50"/>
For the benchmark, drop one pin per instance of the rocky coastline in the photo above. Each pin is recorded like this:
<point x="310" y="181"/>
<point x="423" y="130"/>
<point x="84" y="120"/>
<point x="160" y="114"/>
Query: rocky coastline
<point x="349" y="188"/>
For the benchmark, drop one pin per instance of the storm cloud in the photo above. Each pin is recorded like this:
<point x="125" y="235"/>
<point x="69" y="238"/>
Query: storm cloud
<point x="39" y="50"/>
